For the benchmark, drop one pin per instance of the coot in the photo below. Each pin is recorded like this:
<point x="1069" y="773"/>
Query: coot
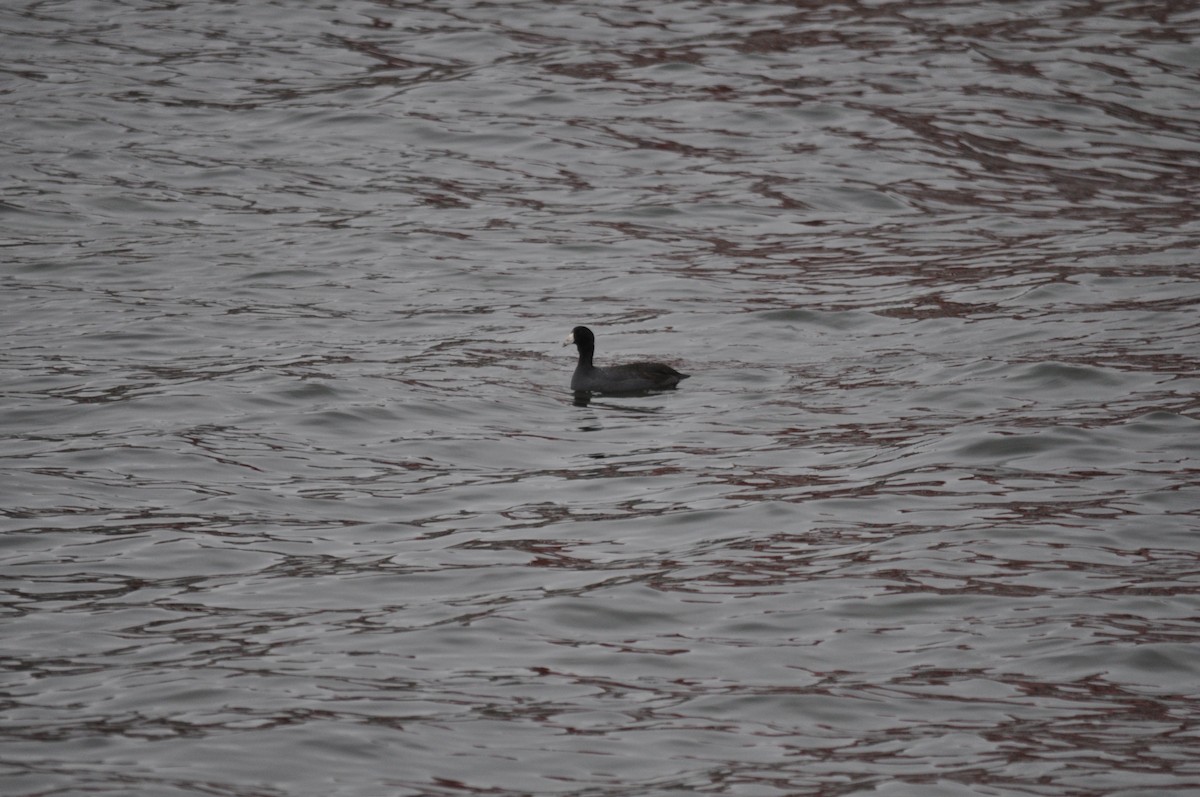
<point x="628" y="378"/>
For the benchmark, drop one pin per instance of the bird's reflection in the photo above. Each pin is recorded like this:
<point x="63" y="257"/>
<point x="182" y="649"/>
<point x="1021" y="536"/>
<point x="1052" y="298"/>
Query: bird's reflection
<point x="583" y="398"/>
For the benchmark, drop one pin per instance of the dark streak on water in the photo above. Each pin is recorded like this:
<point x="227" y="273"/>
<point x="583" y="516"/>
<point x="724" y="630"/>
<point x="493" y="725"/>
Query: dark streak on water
<point x="295" y="499"/>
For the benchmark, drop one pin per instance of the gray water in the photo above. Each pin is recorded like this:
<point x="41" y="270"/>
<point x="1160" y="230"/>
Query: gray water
<point x="296" y="500"/>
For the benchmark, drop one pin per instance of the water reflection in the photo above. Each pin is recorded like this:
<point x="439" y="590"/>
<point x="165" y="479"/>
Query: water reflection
<point x="288" y="481"/>
<point x="616" y="401"/>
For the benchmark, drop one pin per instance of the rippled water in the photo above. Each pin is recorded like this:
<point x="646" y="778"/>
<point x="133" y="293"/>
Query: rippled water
<point x="296" y="500"/>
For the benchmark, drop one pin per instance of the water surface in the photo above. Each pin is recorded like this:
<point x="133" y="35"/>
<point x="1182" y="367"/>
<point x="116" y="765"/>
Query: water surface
<point x="296" y="501"/>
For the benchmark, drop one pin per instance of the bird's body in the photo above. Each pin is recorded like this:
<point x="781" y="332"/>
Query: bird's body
<point x="635" y="377"/>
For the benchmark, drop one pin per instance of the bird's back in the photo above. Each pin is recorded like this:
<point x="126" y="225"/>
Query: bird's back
<point x="627" y="378"/>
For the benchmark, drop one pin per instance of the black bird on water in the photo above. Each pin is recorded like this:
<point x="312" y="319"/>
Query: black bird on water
<point x="628" y="378"/>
